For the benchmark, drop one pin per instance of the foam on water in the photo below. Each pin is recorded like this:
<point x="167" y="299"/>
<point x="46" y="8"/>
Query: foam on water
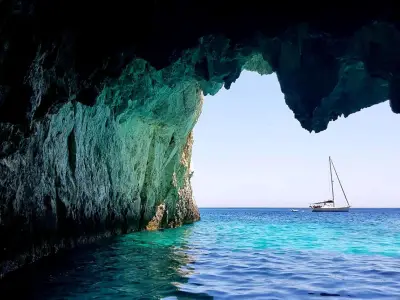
<point x="233" y="254"/>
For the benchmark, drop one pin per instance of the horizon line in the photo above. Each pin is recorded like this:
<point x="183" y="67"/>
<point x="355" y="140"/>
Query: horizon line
<point x="287" y="207"/>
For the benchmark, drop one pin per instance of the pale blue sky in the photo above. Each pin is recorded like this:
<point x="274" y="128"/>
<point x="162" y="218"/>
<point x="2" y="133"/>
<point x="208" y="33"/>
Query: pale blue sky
<point x="249" y="151"/>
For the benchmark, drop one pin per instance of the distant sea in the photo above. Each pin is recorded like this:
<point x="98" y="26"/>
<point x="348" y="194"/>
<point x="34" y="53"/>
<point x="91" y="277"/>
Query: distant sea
<point x="236" y="253"/>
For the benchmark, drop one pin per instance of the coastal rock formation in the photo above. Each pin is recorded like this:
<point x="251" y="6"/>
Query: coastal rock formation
<point x="98" y="101"/>
<point x="88" y="172"/>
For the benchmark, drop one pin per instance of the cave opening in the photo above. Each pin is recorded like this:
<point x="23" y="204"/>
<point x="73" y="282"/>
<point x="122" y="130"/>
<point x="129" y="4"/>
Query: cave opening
<point x="249" y="151"/>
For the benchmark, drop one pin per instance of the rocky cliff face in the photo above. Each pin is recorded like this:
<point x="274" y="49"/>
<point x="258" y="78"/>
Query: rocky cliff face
<point x="98" y="102"/>
<point x="89" y="172"/>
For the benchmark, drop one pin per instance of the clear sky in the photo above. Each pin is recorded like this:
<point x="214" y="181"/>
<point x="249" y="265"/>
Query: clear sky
<point x="249" y="151"/>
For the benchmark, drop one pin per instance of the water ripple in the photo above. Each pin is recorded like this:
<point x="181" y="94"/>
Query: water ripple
<point x="231" y="254"/>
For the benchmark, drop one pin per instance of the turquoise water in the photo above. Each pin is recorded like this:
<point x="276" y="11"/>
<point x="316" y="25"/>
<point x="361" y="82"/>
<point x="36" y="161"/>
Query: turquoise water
<point x="232" y="254"/>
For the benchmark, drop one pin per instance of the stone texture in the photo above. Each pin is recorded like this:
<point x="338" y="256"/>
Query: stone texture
<point x="89" y="172"/>
<point x="98" y="101"/>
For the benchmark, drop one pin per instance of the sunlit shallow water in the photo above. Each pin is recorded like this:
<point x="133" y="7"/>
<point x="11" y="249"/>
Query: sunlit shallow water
<point x="232" y="254"/>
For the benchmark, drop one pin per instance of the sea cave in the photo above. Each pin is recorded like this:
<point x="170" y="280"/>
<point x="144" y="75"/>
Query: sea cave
<point x="98" y="101"/>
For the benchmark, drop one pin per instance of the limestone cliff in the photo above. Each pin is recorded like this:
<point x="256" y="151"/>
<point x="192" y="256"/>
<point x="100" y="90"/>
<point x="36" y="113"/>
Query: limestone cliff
<point x="89" y="172"/>
<point x="98" y="101"/>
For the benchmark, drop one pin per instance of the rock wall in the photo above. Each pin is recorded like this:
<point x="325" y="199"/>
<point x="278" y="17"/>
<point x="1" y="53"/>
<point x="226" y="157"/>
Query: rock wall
<point x="90" y="172"/>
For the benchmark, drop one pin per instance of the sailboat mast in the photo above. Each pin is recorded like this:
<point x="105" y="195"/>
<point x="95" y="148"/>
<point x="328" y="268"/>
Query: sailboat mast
<point x="330" y="171"/>
<point x="340" y="183"/>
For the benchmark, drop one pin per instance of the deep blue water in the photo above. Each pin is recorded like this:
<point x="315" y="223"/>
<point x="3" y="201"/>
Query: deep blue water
<point x="232" y="254"/>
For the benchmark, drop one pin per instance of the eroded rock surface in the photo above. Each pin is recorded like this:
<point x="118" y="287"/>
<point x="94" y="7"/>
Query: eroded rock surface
<point x="98" y="101"/>
<point x="89" y="172"/>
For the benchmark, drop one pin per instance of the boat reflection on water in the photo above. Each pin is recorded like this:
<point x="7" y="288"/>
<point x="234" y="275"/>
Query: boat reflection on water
<point x="149" y="265"/>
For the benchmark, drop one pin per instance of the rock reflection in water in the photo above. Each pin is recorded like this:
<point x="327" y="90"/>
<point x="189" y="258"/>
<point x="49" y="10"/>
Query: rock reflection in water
<point x="146" y="265"/>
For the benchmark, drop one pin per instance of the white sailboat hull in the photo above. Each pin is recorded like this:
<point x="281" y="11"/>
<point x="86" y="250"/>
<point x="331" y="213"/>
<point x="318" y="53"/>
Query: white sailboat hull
<point x="329" y="205"/>
<point x="331" y="209"/>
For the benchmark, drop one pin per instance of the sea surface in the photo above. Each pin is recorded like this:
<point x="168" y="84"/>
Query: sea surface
<point x="231" y="254"/>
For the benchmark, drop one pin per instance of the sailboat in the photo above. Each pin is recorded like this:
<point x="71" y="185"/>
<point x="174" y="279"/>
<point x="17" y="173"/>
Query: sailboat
<point x="329" y="205"/>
